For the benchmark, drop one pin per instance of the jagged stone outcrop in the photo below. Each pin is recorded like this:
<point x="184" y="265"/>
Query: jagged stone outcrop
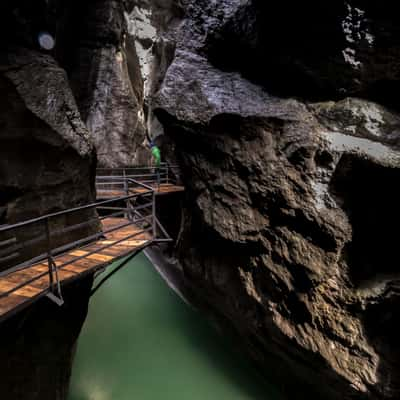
<point x="46" y="154"/>
<point x="291" y="202"/>
<point x="316" y="49"/>
<point x="38" y="346"/>
<point x="103" y="66"/>
<point x="48" y="160"/>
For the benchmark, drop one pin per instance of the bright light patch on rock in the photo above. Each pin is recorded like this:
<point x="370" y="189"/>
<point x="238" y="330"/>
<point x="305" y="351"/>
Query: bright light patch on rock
<point x="141" y="28"/>
<point x="373" y="119"/>
<point x="119" y="57"/>
<point x="346" y="143"/>
<point x="349" y="55"/>
<point x="321" y="191"/>
<point x="355" y="28"/>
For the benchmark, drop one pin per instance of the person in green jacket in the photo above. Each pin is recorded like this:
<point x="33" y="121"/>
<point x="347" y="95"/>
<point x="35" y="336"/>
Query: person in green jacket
<point x="156" y="154"/>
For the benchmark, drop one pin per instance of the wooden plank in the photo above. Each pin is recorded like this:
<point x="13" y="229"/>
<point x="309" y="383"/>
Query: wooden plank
<point x="99" y="259"/>
<point x="82" y="263"/>
<point x="78" y="253"/>
<point x="22" y="275"/>
<point x="25" y="276"/>
<point x="164" y="188"/>
<point x="115" y="251"/>
<point x="64" y="274"/>
<point x="127" y="243"/>
<point x="39" y="268"/>
<point x="134" y="243"/>
<point x="6" y="285"/>
<point x="9" y="303"/>
<point x="28" y="291"/>
<point x="94" y="256"/>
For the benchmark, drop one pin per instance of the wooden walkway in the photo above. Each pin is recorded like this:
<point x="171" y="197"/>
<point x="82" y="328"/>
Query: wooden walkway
<point x="162" y="189"/>
<point x="75" y="269"/>
<point x="128" y="215"/>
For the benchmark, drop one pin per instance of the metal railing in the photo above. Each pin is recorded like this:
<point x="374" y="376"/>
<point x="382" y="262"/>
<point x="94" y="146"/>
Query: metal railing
<point x="114" y="186"/>
<point x="40" y="240"/>
<point x="148" y="175"/>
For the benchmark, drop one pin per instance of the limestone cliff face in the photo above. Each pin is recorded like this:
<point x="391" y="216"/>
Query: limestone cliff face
<point x="100" y="57"/>
<point x="285" y="123"/>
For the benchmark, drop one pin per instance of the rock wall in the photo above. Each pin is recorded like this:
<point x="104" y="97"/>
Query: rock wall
<point x="284" y="120"/>
<point x="100" y="57"/>
<point x="38" y="346"/>
<point x="48" y="158"/>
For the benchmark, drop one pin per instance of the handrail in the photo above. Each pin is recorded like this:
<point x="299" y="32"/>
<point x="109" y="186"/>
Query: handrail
<point x="141" y="184"/>
<point x="141" y="167"/>
<point x="123" y="180"/>
<point x="5" y="228"/>
<point x="43" y="237"/>
<point x="48" y="240"/>
<point x="165" y="173"/>
<point x="43" y="274"/>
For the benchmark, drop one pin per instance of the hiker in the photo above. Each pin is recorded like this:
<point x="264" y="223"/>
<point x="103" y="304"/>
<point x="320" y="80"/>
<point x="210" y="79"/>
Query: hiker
<point x="156" y="154"/>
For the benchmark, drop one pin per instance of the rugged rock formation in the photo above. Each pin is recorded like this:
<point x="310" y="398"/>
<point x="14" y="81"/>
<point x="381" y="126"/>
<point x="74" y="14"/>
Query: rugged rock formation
<point x="38" y="345"/>
<point x="285" y="121"/>
<point x="48" y="157"/>
<point x="101" y="60"/>
<point x="279" y="115"/>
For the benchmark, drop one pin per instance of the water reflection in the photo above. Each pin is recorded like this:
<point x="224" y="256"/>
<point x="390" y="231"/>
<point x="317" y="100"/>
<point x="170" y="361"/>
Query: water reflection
<point x="141" y="341"/>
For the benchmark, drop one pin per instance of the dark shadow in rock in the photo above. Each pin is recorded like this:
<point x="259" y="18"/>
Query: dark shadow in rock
<point x="368" y="194"/>
<point x="381" y="324"/>
<point x="312" y="50"/>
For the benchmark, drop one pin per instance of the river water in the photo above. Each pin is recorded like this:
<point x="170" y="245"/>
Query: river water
<point x="142" y="342"/>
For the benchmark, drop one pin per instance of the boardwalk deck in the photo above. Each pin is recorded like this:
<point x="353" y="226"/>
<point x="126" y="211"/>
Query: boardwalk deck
<point x="162" y="189"/>
<point x="75" y="269"/>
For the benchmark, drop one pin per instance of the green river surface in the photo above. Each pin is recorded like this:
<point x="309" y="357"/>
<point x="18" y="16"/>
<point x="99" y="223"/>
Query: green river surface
<point x="142" y="342"/>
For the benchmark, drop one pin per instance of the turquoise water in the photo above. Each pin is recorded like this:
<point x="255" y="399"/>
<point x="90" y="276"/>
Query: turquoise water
<point x="140" y="341"/>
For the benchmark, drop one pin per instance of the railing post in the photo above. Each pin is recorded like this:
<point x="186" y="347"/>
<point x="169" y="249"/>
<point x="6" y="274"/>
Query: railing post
<point x="167" y="168"/>
<point x="130" y="207"/>
<point x="128" y="214"/>
<point x="154" y="221"/>
<point x="48" y="250"/>
<point x="126" y="187"/>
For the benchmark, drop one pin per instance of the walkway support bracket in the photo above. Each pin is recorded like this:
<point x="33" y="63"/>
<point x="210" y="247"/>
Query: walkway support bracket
<point x="55" y="294"/>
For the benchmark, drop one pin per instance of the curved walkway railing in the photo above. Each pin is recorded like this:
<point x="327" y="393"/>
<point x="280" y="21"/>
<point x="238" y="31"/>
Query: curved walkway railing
<point x="46" y="239"/>
<point x="148" y="175"/>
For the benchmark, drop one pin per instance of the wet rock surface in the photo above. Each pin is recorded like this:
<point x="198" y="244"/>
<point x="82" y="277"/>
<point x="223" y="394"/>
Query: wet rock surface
<point x="290" y="159"/>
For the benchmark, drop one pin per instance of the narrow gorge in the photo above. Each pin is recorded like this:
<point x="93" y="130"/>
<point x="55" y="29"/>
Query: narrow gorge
<point x="284" y="122"/>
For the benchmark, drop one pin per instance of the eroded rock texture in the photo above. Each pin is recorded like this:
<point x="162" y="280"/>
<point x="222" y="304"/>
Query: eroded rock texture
<point x="283" y="118"/>
<point x="38" y="346"/>
<point x="46" y="156"/>
<point x="100" y="57"/>
<point x="48" y="159"/>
